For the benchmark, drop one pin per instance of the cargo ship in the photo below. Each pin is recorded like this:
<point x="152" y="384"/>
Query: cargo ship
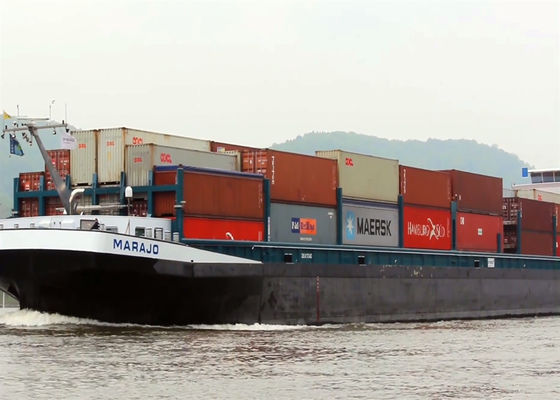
<point x="165" y="230"/>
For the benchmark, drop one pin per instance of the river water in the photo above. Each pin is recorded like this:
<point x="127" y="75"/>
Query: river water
<point x="45" y="356"/>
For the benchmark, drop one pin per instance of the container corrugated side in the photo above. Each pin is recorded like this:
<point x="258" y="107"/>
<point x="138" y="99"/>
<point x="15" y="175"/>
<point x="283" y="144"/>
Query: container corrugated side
<point x="61" y="162"/>
<point x="83" y="159"/>
<point x="536" y="215"/>
<point x="29" y="207"/>
<point x="30" y="181"/>
<point x="366" y="177"/>
<point x="140" y="160"/>
<point x="424" y="187"/>
<point x="295" y="177"/>
<point x="427" y="228"/>
<point x="539" y="195"/>
<point x="293" y="223"/>
<point x="476" y="193"/>
<point x="225" y="195"/>
<point x="370" y="224"/>
<point x="478" y="232"/>
<point x="112" y="146"/>
<point x="537" y="243"/>
<point x="223" y="229"/>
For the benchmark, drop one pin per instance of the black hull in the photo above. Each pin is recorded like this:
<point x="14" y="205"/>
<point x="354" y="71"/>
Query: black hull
<point x="139" y="290"/>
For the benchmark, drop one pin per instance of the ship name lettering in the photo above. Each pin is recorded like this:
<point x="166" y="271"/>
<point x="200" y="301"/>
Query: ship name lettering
<point x="135" y="246"/>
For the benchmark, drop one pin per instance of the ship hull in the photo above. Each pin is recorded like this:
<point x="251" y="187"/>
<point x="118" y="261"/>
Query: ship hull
<point x="129" y="289"/>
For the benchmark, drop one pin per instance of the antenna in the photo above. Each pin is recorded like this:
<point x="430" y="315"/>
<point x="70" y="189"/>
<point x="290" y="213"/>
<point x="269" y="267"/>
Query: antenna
<point x="50" y="106"/>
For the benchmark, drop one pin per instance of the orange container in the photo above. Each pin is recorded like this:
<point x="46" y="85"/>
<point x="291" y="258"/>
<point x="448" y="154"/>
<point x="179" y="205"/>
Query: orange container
<point x="478" y="232"/>
<point x="29" y="207"/>
<point x="424" y="187"/>
<point x="61" y="162"/>
<point x="30" y="181"/>
<point x="223" y="229"/>
<point x="476" y="193"/>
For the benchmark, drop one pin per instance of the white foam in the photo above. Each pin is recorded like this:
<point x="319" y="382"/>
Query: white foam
<point x="245" y="327"/>
<point x="29" y="318"/>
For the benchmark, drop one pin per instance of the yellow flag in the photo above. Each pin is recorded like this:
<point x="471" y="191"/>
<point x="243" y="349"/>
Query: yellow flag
<point x="6" y="115"/>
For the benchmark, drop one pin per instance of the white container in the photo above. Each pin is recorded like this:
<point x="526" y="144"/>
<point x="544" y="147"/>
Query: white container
<point x="370" y="224"/>
<point x="140" y="159"/>
<point x="112" y="144"/>
<point x="83" y="159"/>
<point x="366" y="177"/>
<point x="540" y="195"/>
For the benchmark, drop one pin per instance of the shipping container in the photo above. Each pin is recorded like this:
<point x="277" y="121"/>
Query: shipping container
<point x="28" y="207"/>
<point x="424" y="187"/>
<point x="212" y="193"/>
<point x="139" y="207"/>
<point x="140" y="160"/>
<point x="539" y="195"/>
<point x="220" y="147"/>
<point x="370" y="224"/>
<point x="557" y="213"/>
<point x="61" y="162"/>
<point x="427" y="228"/>
<point x="476" y="193"/>
<point x="223" y="229"/>
<point x="30" y="181"/>
<point x="109" y="200"/>
<point x="164" y="204"/>
<point x="83" y="159"/>
<point x="295" y="177"/>
<point x="536" y="215"/>
<point x="537" y="243"/>
<point x="365" y="177"/>
<point x="53" y="206"/>
<point x="478" y="232"/>
<point x="112" y="144"/>
<point x="294" y="223"/>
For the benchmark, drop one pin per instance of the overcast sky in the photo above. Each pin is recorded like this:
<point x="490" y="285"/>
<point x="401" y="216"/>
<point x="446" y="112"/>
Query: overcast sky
<point x="262" y="72"/>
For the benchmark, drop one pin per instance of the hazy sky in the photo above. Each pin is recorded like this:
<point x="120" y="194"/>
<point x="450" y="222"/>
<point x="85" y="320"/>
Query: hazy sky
<point x="260" y="72"/>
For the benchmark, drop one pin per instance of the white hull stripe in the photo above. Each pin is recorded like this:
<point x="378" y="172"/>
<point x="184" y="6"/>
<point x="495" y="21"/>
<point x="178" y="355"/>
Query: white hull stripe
<point x="109" y="243"/>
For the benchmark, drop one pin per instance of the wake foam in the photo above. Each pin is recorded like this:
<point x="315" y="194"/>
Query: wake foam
<point x="30" y="318"/>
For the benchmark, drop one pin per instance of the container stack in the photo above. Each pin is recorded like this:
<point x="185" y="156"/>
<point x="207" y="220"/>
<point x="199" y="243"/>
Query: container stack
<point x="302" y="192"/>
<point x="427" y="208"/>
<point x="217" y="204"/>
<point x="370" y="189"/>
<point x="61" y="162"/>
<point x="479" y="223"/>
<point x="532" y="233"/>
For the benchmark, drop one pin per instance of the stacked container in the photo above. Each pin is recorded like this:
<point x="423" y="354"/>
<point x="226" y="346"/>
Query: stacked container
<point x="30" y="181"/>
<point x="61" y="162"/>
<point x="53" y="206"/>
<point x="217" y="204"/>
<point x="540" y="195"/>
<point x="140" y="160"/>
<point x="29" y="207"/>
<point x="479" y="223"/>
<point x="302" y="192"/>
<point x="112" y="145"/>
<point x="427" y="208"/>
<point x="536" y="228"/>
<point x="83" y="159"/>
<point x="370" y="189"/>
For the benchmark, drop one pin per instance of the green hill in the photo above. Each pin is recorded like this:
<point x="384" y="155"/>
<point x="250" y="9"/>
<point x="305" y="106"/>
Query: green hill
<point x="466" y="155"/>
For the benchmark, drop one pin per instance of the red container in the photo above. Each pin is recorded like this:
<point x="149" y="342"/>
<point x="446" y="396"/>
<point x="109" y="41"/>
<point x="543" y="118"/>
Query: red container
<point x="476" y="193"/>
<point x="295" y="177"/>
<point x="536" y="215"/>
<point x="53" y="206"/>
<point x="212" y="193"/>
<point x="477" y="232"/>
<point x="557" y="213"/>
<point x="164" y="203"/>
<point x="424" y="187"/>
<point x="30" y="181"/>
<point x="29" y="207"/>
<point x="222" y="229"/>
<point x="427" y="228"/>
<point x="140" y="207"/>
<point x="61" y="161"/>
<point x="539" y="243"/>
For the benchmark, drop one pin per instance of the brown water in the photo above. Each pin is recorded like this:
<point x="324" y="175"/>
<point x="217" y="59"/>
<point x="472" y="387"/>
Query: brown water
<point x="49" y="356"/>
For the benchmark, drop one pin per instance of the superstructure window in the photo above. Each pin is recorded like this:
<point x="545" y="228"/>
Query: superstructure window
<point x="140" y="231"/>
<point x="548" y="176"/>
